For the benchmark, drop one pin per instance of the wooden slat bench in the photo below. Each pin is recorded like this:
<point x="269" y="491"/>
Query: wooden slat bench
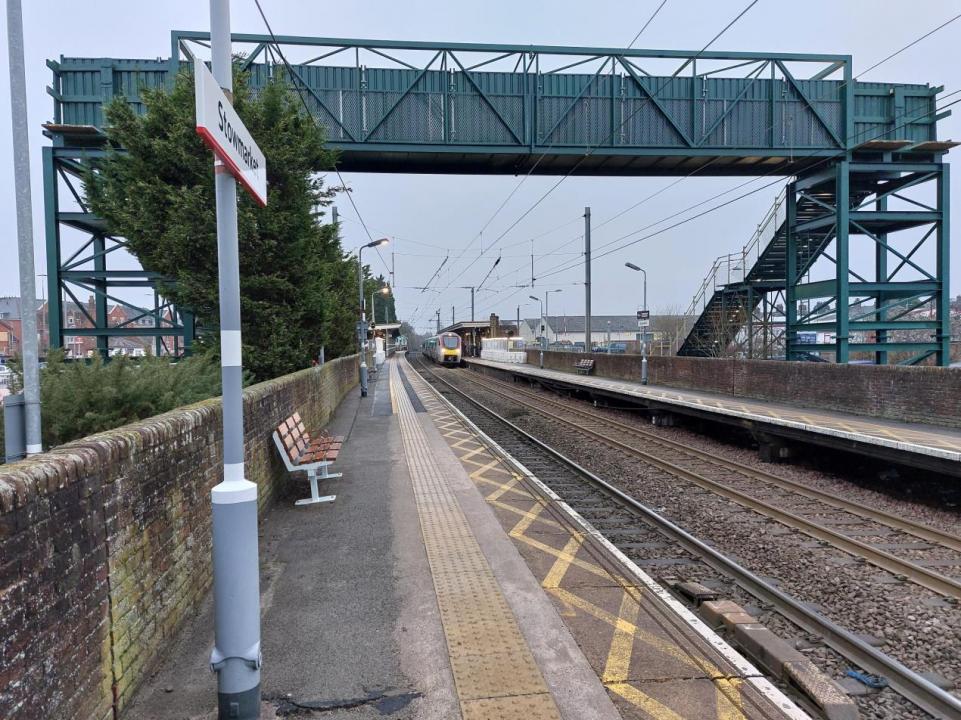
<point x="302" y="454"/>
<point x="584" y="367"/>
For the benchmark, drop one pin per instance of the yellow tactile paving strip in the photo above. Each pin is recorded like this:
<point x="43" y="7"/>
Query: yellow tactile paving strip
<point x="912" y="438"/>
<point x="652" y="664"/>
<point x="495" y="674"/>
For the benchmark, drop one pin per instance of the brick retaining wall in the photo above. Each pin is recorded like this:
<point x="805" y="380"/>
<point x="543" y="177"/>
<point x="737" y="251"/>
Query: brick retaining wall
<point x="105" y="544"/>
<point x="912" y="394"/>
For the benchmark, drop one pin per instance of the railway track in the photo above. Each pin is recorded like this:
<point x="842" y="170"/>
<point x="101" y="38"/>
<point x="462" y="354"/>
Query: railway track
<point x="757" y="490"/>
<point x="616" y="514"/>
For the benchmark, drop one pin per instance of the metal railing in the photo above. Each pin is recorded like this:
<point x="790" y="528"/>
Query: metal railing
<point x="735" y="267"/>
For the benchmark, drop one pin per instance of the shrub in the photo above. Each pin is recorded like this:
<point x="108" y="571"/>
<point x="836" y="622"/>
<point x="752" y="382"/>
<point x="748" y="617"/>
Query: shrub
<point x="82" y="398"/>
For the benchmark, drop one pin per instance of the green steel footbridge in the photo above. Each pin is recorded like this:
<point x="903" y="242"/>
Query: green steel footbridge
<point x="864" y="158"/>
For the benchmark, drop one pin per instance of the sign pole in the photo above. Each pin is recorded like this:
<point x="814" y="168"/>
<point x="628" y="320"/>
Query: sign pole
<point x="29" y="353"/>
<point x="236" y="654"/>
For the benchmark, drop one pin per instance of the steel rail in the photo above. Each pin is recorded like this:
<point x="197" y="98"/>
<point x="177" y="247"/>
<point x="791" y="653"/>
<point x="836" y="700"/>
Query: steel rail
<point x="919" y="530"/>
<point x="922" y="576"/>
<point x="920" y="691"/>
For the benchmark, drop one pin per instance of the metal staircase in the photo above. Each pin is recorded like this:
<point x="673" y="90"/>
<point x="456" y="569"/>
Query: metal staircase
<point x="725" y="306"/>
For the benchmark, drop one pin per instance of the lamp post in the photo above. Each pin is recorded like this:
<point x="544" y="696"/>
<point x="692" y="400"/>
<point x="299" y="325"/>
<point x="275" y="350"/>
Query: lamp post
<point x="547" y="306"/>
<point x="518" y="334"/>
<point x="632" y="266"/>
<point x="373" y="316"/>
<point x="538" y="300"/>
<point x="362" y="323"/>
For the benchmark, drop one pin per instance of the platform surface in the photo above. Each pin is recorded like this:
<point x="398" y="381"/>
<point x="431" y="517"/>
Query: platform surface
<point x="442" y="584"/>
<point x="938" y="442"/>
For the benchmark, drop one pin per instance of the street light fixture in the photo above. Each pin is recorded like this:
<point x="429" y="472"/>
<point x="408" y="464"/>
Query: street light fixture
<point x="362" y="322"/>
<point x="632" y="266"/>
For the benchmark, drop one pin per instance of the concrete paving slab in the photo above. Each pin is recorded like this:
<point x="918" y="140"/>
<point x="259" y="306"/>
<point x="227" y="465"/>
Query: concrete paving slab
<point x="350" y="623"/>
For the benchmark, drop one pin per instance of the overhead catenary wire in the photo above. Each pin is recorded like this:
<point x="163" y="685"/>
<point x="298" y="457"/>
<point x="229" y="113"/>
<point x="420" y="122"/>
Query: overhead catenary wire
<point x="773" y="171"/>
<point x="590" y="150"/>
<point x="543" y="155"/>
<point x="303" y="101"/>
<point x="563" y="267"/>
<point x="649" y="21"/>
<point x="728" y="202"/>
<point x="872" y="67"/>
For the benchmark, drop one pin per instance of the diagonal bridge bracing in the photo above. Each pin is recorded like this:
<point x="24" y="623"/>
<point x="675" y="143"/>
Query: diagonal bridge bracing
<point x="396" y="106"/>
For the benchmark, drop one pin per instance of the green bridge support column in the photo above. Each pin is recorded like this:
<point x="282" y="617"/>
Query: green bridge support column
<point x="881" y="276"/>
<point x="52" y="234"/>
<point x="842" y="213"/>
<point x="943" y="268"/>
<point x="100" y="296"/>
<point x="790" y="255"/>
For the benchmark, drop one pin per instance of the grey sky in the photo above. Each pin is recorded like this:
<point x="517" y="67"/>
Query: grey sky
<point x="427" y="213"/>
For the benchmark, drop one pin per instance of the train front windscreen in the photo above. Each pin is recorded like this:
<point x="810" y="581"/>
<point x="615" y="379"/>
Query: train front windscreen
<point x="451" y="342"/>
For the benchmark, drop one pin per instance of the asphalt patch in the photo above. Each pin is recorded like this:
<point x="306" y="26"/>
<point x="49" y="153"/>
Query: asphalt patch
<point x="386" y="702"/>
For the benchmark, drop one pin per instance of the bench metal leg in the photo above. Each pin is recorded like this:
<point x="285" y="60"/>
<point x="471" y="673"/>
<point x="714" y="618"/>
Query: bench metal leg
<point x="315" y="496"/>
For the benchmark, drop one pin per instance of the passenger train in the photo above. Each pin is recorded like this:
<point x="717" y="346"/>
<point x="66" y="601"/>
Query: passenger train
<point x="444" y="349"/>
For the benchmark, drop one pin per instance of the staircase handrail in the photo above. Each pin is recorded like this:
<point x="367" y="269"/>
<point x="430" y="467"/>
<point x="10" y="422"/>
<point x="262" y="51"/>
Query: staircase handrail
<point x="734" y="267"/>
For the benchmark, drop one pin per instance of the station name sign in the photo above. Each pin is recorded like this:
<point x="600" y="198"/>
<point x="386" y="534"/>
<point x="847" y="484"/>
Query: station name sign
<point x="224" y="132"/>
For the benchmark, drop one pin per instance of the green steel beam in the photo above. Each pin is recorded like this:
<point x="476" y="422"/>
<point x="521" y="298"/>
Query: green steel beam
<point x="857" y="347"/>
<point x="870" y="325"/>
<point x="864" y="218"/>
<point x="791" y="268"/>
<point x="52" y="238"/>
<point x="828" y="288"/>
<point x="881" y="275"/>
<point x="109" y="332"/>
<point x="254" y="38"/>
<point x="943" y="268"/>
<point x="843" y="205"/>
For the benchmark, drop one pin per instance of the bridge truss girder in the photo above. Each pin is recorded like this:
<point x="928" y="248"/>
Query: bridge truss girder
<point x="87" y="270"/>
<point x="901" y="311"/>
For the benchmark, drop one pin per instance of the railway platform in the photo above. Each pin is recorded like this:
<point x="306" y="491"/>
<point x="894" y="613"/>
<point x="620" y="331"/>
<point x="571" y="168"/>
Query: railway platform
<point x="445" y="582"/>
<point x="912" y="444"/>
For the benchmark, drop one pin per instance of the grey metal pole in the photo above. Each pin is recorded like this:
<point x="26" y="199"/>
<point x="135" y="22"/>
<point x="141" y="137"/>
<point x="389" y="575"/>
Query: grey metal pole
<point x="587" y="279"/>
<point x="14" y="442"/>
<point x="644" y="341"/>
<point x="236" y="655"/>
<point x="333" y="215"/>
<point x="472" y="304"/>
<point x="21" y="181"/>
<point x="362" y="323"/>
<point x="518" y="333"/>
<point x="547" y="312"/>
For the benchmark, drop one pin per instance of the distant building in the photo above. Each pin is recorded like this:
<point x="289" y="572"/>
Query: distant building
<point x="663" y="335"/>
<point x="81" y="316"/>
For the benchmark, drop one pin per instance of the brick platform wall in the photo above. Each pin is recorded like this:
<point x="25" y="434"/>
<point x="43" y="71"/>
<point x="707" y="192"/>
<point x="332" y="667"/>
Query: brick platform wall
<point x="912" y="394"/>
<point x="105" y="544"/>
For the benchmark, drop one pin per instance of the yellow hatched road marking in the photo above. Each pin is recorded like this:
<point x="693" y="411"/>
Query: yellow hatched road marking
<point x="729" y="699"/>
<point x="563" y="562"/>
<point x="482" y="464"/>
<point x="640" y="634"/>
<point x="618" y="665"/>
<point x="652" y="707"/>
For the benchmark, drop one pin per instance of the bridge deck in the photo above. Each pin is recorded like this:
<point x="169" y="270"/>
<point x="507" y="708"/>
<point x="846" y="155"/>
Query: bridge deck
<point x="397" y="106"/>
